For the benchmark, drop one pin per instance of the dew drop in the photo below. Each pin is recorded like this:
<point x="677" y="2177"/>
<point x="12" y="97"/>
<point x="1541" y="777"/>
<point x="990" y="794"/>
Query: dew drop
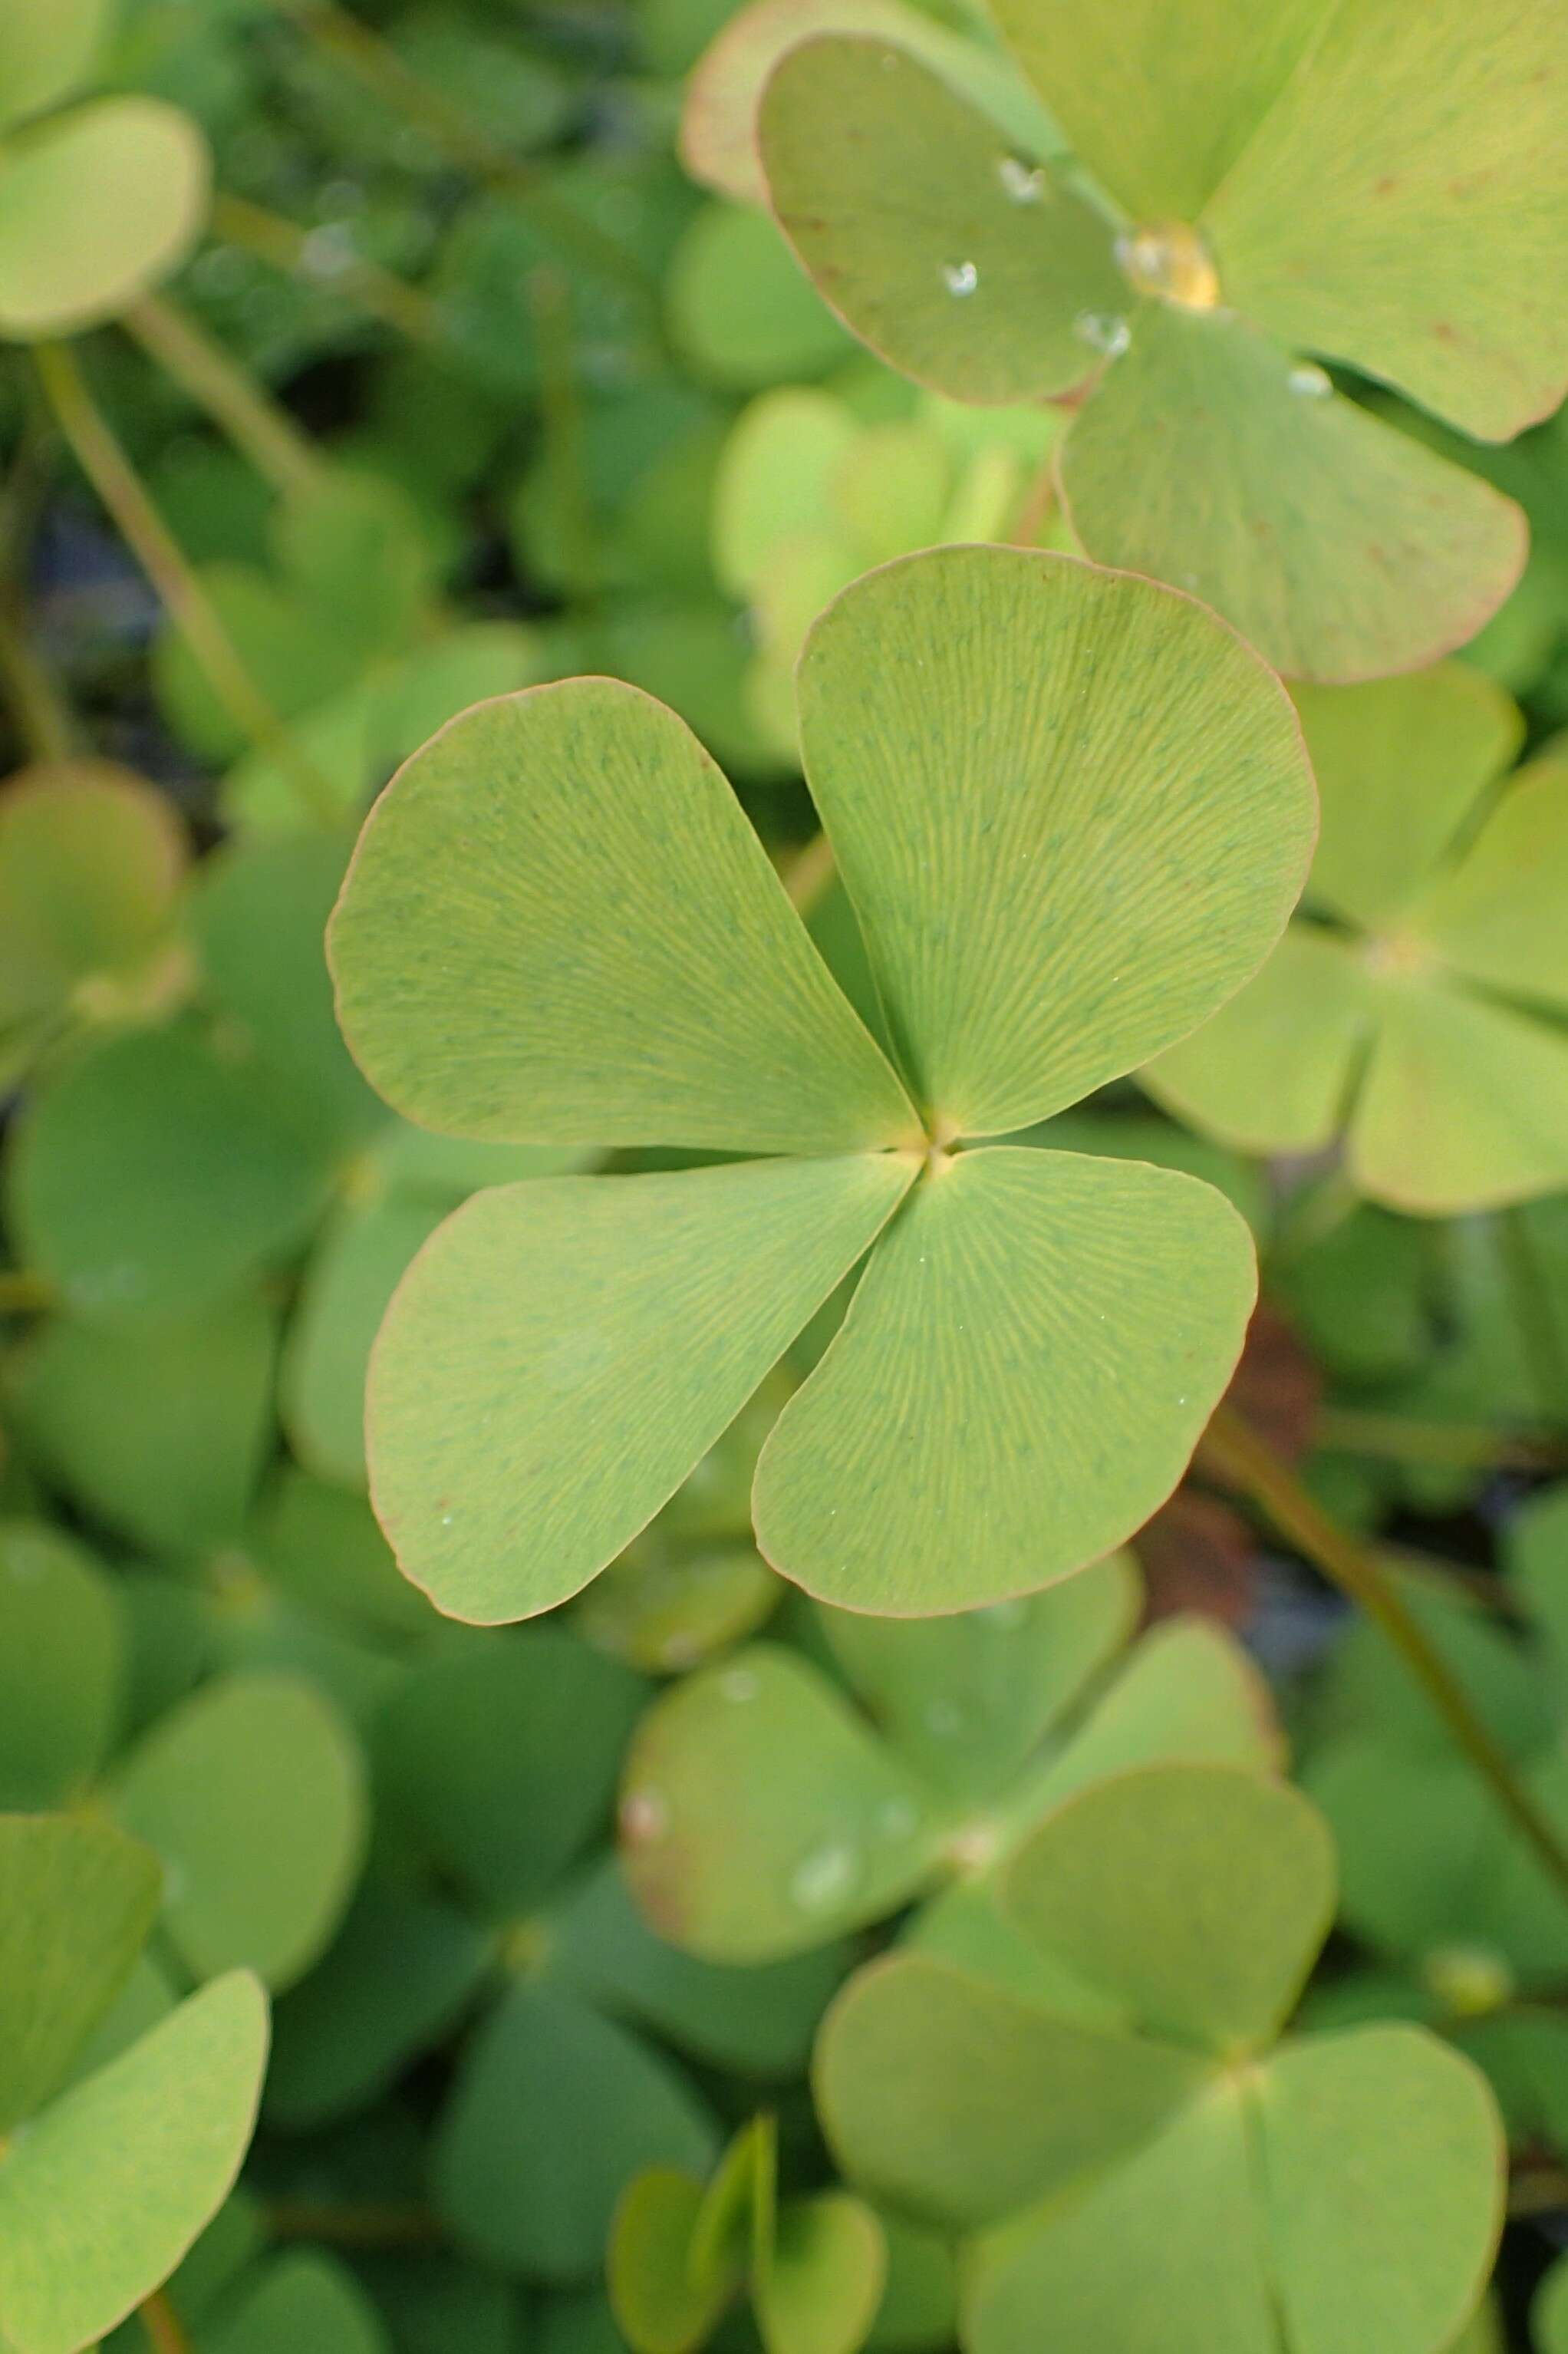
<point x="1308" y="381"/>
<point x="644" y="1816"/>
<point x="1024" y="183"/>
<point x="824" y="1877"/>
<point x="1103" y="331"/>
<point x="1005" y="1616"/>
<point x="737" y="1684"/>
<point x="960" y="277"/>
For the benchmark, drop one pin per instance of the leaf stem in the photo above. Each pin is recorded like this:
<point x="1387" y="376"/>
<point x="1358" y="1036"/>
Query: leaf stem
<point x="113" y="476"/>
<point x="42" y="724"/>
<point x="43" y="719"/>
<point x="1236" y="1448"/>
<point x="285" y="246"/>
<point x="257" y="427"/>
<point x="163" y="2329"/>
<point x="357" y="2223"/>
<point x="809" y="873"/>
<point x="1405" y="1438"/>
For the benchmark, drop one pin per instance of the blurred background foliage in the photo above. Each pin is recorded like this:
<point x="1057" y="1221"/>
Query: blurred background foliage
<point x="466" y="385"/>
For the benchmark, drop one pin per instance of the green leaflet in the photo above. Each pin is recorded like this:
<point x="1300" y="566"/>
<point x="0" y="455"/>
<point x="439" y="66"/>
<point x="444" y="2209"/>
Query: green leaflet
<point x="718" y="126"/>
<point x="1007" y="2102"/>
<point x="1031" y="1355"/>
<point x="1158" y="1933"/>
<point x="1423" y="1021"/>
<point x="253" y="1795"/>
<point x="95" y="207"/>
<point x="46" y="48"/>
<point x="501" y="1763"/>
<point x="645" y="1309"/>
<point x="742" y="313"/>
<point x="1210" y="456"/>
<point x="114" y="2181"/>
<point x="78" y="1900"/>
<point x="157" y="1175"/>
<point x="62" y="1665"/>
<point x="956" y="293"/>
<point x="90" y="860"/>
<point x="1421" y="242"/>
<point x="304" y="2299"/>
<point x="1160" y="100"/>
<point x="161" y="1433"/>
<point x="554" y="2109"/>
<point x="991" y="737"/>
<point x="585" y="954"/>
<point x="605" y="876"/>
<point x="760" y="1818"/>
<point x="1549" y="2313"/>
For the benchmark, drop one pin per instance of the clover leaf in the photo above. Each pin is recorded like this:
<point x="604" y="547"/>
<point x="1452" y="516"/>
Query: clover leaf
<point x="105" y="2178"/>
<point x="1071" y="812"/>
<point x="763" y="1811"/>
<point x="63" y="1646"/>
<point x="1418" y="1004"/>
<point x="1240" y="197"/>
<point x="680" y="2252"/>
<point x="252" y="1791"/>
<point x="96" y="204"/>
<point x="1312" y="2192"/>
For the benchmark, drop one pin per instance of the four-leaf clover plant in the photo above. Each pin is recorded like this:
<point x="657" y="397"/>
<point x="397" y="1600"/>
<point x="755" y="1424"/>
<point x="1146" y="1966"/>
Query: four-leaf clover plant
<point x="1377" y="186"/>
<point x="1071" y="811"/>
<point x="1139" y="2161"/>
<point x="1418" y="1004"/>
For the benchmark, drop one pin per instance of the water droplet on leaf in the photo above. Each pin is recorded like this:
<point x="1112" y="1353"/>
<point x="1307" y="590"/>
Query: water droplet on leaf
<point x="960" y="277"/>
<point x="1024" y="183"/>
<point x="1103" y="331"/>
<point x="1311" y="382"/>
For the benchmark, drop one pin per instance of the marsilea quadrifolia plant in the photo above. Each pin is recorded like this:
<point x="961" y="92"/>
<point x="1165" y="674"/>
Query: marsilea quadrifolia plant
<point x="1072" y="813"/>
<point x="1141" y="2159"/>
<point x="1418" y="1004"/>
<point x="1380" y="184"/>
